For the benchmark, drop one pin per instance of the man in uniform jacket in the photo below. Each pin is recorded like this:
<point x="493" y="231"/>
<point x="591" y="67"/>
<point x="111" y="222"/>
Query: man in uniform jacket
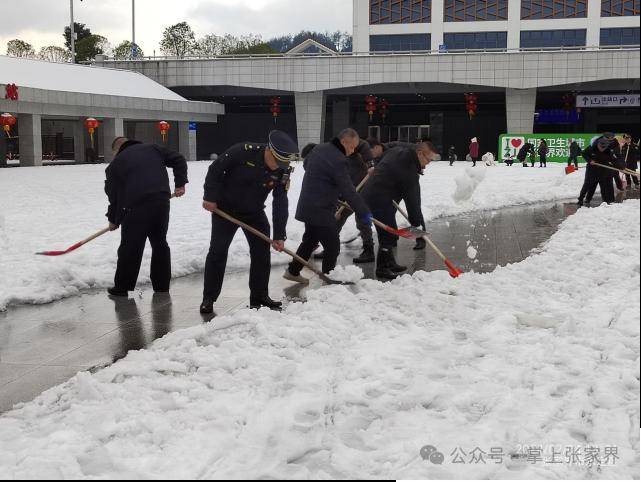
<point x="601" y="152"/>
<point x="396" y="178"/>
<point x="630" y="155"/>
<point x="138" y="189"/>
<point x="238" y="183"/>
<point x="326" y="181"/>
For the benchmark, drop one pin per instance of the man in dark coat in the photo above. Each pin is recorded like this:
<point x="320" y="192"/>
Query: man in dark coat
<point x="326" y="181"/>
<point x="451" y="155"/>
<point x="522" y="156"/>
<point x="575" y="152"/>
<point x="630" y="155"/>
<point x="238" y="183"/>
<point x="138" y="189"/>
<point x="396" y="178"/>
<point x="601" y="152"/>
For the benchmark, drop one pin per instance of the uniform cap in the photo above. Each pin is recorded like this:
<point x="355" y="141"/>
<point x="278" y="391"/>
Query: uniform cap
<point x="283" y="147"/>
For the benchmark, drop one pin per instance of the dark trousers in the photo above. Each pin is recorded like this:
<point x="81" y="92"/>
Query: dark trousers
<point x="386" y="215"/>
<point x="573" y="160"/>
<point x="605" y="183"/>
<point x="543" y="161"/>
<point x="328" y="239"/>
<point x="364" y="229"/>
<point x="474" y="161"/>
<point x="222" y="234"/>
<point x="145" y="221"/>
<point x="632" y="179"/>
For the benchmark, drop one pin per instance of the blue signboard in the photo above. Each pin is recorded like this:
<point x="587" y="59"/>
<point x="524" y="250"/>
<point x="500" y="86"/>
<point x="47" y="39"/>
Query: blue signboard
<point x="192" y="126"/>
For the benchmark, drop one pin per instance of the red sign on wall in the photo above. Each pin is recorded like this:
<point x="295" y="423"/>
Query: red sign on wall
<point x="11" y="92"/>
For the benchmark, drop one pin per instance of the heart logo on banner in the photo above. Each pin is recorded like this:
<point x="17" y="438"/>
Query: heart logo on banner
<point x="516" y="143"/>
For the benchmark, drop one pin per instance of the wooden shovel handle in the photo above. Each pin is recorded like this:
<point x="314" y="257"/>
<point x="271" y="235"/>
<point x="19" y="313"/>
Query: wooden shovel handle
<point x="340" y="211"/>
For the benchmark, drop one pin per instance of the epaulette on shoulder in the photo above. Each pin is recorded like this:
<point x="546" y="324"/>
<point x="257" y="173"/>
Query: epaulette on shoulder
<point x="252" y="147"/>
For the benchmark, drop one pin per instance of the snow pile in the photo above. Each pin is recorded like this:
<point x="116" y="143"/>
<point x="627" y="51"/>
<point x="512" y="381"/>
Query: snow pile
<point x="472" y="252"/>
<point x="53" y="207"/>
<point x="467" y="183"/>
<point x="358" y="383"/>
<point x="347" y="274"/>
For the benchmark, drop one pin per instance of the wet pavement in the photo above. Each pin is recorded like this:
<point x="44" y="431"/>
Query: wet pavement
<point x="43" y="346"/>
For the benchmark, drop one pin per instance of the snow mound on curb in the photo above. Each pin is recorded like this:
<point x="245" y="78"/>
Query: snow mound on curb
<point x="355" y="382"/>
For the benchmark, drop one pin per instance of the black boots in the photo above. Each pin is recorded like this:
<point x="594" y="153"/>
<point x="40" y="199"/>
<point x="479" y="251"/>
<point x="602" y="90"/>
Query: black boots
<point x="118" y="292"/>
<point x="367" y="256"/>
<point x="265" y="302"/>
<point x="386" y="266"/>
<point x="207" y="306"/>
<point x="420" y="244"/>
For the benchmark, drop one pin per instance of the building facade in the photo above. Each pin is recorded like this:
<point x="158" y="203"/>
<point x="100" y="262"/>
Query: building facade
<point x="410" y="25"/>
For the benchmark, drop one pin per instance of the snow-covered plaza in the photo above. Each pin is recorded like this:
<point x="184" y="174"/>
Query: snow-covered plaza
<point x="528" y="371"/>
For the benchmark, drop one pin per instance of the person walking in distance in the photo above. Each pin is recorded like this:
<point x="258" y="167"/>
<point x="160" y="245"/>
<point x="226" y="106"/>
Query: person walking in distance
<point x="238" y="183"/>
<point x="137" y="186"/>
<point x="543" y="153"/>
<point x="326" y="181"/>
<point x="451" y="155"/>
<point x="474" y="151"/>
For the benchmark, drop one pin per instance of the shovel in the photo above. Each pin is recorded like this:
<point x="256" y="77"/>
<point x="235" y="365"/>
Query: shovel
<point x="416" y="233"/>
<point x="270" y="241"/>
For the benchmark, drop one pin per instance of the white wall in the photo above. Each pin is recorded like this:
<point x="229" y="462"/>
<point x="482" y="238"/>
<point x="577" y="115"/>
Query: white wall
<point x="514" y="25"/>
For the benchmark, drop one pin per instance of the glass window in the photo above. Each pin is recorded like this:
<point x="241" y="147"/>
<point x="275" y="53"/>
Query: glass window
<point x="475" y="41"/>
<point x="399" y="43"/>
<point x="620" y="36"/>
<point x="620" y="8"/>
<point x="475" y="10"/>
<point x="400" y="11"/>
<point x="535" y="9"/>
<point x="553" y="38"/>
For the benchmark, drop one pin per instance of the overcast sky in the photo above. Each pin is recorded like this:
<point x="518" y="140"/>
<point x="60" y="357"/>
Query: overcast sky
<point x="41" y="22"/>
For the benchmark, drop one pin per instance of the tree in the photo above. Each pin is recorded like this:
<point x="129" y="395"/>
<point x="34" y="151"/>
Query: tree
<point x="178" y="40"/>
<point x="125" y="51"/>
<point x="53" y="53"/>
<point x="82" y="32"/>
<point x="209" y="46"/>
<point x="338" y="41"/>
<point x="89" y="47"/>
<point x="19" y="48"/>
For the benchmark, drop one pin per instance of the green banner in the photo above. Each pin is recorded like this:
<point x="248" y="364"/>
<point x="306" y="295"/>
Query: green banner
<point x="558" y="145"/>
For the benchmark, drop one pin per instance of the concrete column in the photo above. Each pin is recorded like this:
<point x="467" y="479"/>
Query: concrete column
<point x="3" y="149"/>
<point x="30" y="141"/>
<point x="438" y="25"/>
<point x="514" y="24"/>
<point x="187" y="141"/>
<point x="340" y="116"/>
<point x="520" y="105"/>
<point x="310" y="117"/>
<point x="360" y="32"/>
<point x="593" y="35"/>
<point x="111" y="128"/>
<point x="79" y="145"/>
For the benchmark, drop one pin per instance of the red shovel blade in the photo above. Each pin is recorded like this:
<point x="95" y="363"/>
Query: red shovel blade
<point x="454" y="271"/>
<point x="570" y="169"/>
<point x="60" y="253"/>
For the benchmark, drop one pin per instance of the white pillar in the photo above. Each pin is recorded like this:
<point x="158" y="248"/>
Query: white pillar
<point x="520" y="106"/>
<point x="111" y="128"/>
<point x="187" y="141"/>
<point x="514" y="24"/>
<point x="437" y="26"/>
<point x="593" y="36"/>
<point x="79" y="145"/>
<point x="30" y="141"/>
<point x="360" y="37"/>
<point x="310" y="117"/>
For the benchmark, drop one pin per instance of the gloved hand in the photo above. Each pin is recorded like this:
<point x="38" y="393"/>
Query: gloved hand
<point x="368" y="219"/>
<point x="420" y="244"/>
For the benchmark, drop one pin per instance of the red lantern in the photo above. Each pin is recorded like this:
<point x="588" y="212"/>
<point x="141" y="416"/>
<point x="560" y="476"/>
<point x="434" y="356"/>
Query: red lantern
<point x="91" y="124"/>
<point x="11" y="92"/>
<point x="7" y="121"/>
<point x="471" y="105"/>
<point x="163" y="127"/>
<point x="383" y="109"/>
<point x="275" y="107"/>
<point x="370" y="105"/>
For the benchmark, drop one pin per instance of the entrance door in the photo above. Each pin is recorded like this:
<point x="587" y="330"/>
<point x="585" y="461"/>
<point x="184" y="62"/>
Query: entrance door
<point x="375" y="132"/>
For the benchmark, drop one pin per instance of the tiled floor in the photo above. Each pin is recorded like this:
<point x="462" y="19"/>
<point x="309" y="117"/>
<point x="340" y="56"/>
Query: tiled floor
<point x="42" y="346"/>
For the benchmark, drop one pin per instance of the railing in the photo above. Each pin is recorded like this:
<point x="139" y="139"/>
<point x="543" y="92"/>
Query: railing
<point x="158" y="58"/>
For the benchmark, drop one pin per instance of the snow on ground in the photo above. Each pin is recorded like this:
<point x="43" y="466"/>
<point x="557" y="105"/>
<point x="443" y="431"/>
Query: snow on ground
<point x="50" y="208"/>
<point x="544" y="353"/>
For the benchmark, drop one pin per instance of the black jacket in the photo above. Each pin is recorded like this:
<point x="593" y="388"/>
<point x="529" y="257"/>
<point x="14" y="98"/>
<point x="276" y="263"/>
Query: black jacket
<point x="139" y="173"/>
<point x="359" y="163"/>
<point x="630" y="155"/>
<point x="524" y="151"/>
<point x="326" y="180"/>
<point x="396" y="178"/>
<point x="239" y="182"/>
<point x="607" y="158"/>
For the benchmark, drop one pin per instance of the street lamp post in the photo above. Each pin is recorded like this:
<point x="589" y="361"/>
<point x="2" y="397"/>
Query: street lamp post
<point x="72" y="34"/>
